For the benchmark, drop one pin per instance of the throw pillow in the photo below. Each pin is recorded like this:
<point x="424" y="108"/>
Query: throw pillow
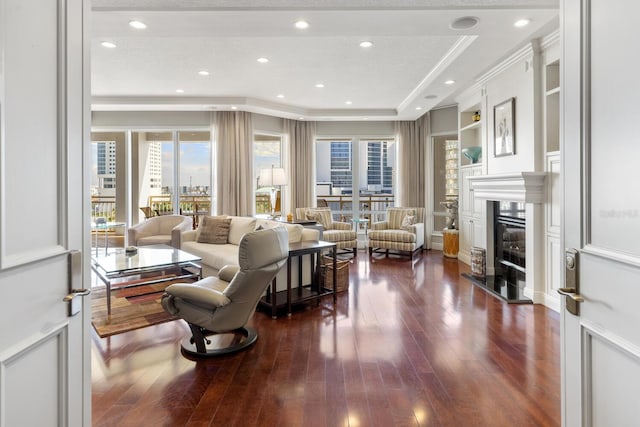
<point x="407" y="222"/>
<point x="321" y="216"/>
<point x="214" y="230"/>
<point x="312" y="216"/>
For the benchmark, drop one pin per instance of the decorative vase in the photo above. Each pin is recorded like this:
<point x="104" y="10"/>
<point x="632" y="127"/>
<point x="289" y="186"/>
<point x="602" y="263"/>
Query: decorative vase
<point x="472" y="153"/>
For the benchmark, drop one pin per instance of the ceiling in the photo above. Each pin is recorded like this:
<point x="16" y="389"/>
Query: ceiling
<point x="398" y="78"/>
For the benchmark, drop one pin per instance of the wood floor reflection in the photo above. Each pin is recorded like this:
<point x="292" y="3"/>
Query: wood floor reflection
<point x="408" y="344"/>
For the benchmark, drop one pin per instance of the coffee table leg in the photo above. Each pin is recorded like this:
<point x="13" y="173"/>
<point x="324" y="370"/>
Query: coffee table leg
<point x="108" y="298"/>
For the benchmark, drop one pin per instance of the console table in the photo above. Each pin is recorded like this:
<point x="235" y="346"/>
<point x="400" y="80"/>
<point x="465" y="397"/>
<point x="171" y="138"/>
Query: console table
<point x="302" y="293"/>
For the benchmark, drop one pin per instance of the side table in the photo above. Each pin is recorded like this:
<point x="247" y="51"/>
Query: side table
<point x="450" y="243"/>
<point x="302" y="293"/>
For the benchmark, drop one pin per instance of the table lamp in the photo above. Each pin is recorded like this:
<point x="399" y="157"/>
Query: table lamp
<point x="274" y="178"/>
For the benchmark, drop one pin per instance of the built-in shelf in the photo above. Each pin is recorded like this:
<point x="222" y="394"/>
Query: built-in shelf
<point x="470" y="165"/>
<point x="552" y="107"/>
<point x="552" y="91"/>
<point x="471" y="126"/>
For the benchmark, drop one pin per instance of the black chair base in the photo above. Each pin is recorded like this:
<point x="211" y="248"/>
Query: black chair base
<point x="204" y="343"/>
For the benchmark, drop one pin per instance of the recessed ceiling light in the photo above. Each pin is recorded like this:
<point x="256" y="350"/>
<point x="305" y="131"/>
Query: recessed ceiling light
<point x="431" y="96"/>
<point x="366" y="44"/>
<point x="179" y="90"/>
<point x="449" y="82"/>
<point x="108" y="45"/>
<point x="300" y="118"/>
<point x="464" y="23"/>
<point x="138" y="25"/>
<point x="418" y="108"/>
<point x="348" y="102"/>
<point x="521" y="22"/>
<point x="262" y="60"/>
<point x="320" y="85"/>
<point x="302" y="24"/>
<point x="365" y="118"/>
<point x="203" y="72"/>
<point x="279" y="95"/>
<point x="234" y="108"/>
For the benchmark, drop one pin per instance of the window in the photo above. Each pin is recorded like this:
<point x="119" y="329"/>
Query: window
<point x="380" y="161"/>
<point x="195" y="174"/>
<point x="152" y="172"/>
<point x="355" y="177"/>
<point x="167" y="182"/>
<point x="341" y="176"/>
<point x="267" y="153"/>
<point x="104" y="176"/>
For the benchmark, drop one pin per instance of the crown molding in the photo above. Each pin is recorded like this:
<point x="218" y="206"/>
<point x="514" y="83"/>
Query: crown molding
<point x="550" y="39"/>
<point x="460" y="46"/>
<point x="253" y="105"/>
<point x="525" y="52"/>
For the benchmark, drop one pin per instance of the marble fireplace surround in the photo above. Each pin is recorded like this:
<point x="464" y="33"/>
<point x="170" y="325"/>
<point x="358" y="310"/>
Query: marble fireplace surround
<point x="527" y="187"/>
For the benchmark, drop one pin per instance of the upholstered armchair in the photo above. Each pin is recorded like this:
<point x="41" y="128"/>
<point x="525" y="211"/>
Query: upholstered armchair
<point x="402" y="233"/>
<point x="165" y="229"/>
<point x="223" y="305"/>
<point x="340" y="233"/>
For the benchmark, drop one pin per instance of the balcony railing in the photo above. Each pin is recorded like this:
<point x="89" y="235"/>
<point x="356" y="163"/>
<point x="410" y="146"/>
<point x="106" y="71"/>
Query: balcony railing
<point x="371" y="206"/>
<point x="103" y="207"/>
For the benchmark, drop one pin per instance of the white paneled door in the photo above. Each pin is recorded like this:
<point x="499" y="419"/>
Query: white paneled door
<point x="44" y="119"/>
<point x="600" y="92"/>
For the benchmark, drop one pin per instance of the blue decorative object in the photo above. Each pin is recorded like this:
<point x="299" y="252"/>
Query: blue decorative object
<point x="472" y="153"/>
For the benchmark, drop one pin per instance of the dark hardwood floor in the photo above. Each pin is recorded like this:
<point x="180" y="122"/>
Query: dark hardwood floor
<point x="410" y="344"/>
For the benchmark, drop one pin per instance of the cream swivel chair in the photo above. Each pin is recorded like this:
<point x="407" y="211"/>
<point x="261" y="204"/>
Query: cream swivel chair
<point x="340" y="233"/>
<point x="402" y="233"/>
<point x="165" y="229"/>
<point x="222" y="305"/>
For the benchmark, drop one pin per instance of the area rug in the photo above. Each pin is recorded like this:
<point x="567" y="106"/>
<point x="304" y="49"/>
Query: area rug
<point x="131" y="308"/>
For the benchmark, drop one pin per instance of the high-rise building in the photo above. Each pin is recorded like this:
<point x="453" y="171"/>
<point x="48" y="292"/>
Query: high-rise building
<point x="106" y="164"/>
<point x="341" y="176"/>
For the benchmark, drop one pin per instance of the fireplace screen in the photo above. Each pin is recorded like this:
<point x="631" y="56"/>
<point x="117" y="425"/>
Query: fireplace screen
<point x="510" y="243"/>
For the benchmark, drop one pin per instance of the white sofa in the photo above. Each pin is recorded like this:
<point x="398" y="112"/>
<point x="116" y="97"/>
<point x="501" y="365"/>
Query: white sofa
<point x="214" y="256"/>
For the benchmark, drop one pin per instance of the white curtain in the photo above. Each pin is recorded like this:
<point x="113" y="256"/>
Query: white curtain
<point x="301" y="137"/>
<point x="412" y="145"/>
<point x="233" y="138"/>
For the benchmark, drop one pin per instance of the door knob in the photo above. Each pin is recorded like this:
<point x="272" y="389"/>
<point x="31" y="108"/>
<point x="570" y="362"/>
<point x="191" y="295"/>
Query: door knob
<point x="572" y="283"/>
<point x="76" y="293"/>
<point x="571" y="293"/>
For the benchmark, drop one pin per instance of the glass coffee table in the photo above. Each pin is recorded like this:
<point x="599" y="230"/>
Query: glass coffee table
<point x="150" y="264"/>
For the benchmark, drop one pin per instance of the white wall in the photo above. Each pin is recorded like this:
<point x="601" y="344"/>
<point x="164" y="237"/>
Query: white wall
<point x="444" y="120"/>
<point x="270" y="124"/>
<point x="361" y="128"/>
<point x="517" y="81"/>
<point x="150" y="119"/>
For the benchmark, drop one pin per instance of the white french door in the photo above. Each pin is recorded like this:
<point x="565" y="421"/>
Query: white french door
<point x="44" y="213"/>
<point x="600" y="90"/>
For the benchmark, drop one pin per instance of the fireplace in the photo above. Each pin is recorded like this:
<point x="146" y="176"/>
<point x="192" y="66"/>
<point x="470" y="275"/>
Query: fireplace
<point x="514" y="233"/>
<point x="510" y="261"/>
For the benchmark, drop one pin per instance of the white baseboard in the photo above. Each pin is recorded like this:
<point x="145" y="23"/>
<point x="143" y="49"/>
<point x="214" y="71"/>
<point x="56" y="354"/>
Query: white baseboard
<point x="552" y="302"/>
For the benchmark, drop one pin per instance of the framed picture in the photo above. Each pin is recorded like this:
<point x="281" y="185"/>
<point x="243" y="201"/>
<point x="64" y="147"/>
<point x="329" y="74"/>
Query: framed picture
<point x="504" y="128"/>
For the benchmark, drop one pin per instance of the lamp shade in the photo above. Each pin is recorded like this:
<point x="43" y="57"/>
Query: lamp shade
<point x="272" y="177"/>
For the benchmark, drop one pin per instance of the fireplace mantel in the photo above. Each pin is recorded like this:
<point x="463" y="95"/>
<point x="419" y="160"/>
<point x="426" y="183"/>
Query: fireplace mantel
<point x="525" y="187"/>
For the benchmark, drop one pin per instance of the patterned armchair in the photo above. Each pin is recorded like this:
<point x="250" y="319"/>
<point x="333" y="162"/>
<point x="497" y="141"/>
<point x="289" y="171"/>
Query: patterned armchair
<point x="340" y="233"/>
<point x="402" y="232"/>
